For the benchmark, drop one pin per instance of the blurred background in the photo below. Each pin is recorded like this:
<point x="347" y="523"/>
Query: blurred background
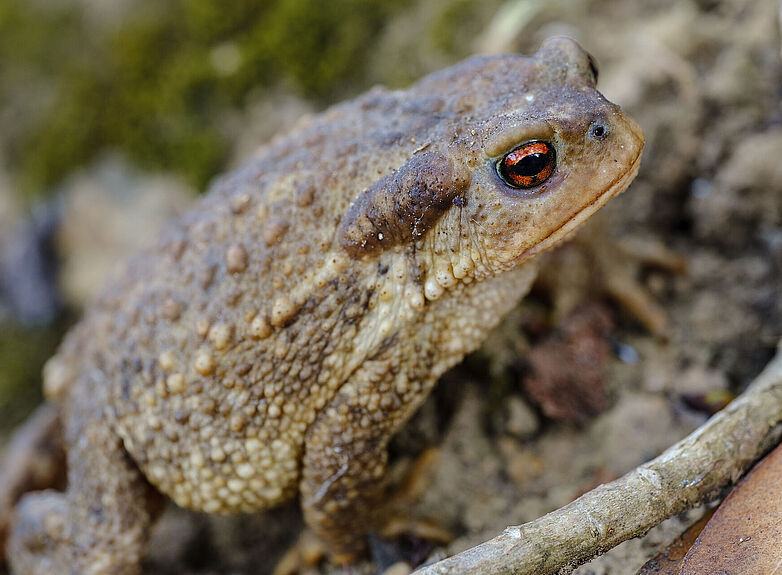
<point x="116" y="114"/>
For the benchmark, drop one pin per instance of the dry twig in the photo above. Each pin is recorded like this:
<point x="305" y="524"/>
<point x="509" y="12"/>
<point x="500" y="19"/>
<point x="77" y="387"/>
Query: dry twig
<point x="692" y="472"/>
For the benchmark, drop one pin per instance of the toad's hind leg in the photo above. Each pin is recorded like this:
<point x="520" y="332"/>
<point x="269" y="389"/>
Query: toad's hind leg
<point x="100" y="523"/>
<point x="34" y="460"/>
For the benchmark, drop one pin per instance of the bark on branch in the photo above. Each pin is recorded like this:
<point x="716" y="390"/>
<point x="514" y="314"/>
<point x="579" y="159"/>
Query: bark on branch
<point x="692" y="472"/>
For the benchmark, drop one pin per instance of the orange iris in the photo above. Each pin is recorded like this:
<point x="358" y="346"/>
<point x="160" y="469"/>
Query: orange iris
<point x="528" y="165"/>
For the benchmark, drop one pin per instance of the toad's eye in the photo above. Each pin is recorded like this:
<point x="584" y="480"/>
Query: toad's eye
<point x="528" y="165"/>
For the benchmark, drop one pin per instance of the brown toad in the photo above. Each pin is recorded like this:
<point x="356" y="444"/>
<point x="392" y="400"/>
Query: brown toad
<point x="279" y="334"/>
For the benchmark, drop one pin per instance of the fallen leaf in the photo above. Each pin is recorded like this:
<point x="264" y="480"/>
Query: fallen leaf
<point x="743" y="537"/>
<point x="669" y="560"/>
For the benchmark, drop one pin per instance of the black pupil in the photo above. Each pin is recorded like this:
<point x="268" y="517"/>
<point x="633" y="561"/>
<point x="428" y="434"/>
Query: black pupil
<point x="598" y="131"/>
<point x="530" y="165"/>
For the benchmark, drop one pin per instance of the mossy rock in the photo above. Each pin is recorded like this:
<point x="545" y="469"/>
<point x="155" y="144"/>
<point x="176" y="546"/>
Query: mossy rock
<point x="152" y="86"/>
<point x="23" y="352"/>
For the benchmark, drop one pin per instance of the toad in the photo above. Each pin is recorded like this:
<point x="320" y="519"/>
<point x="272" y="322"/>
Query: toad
<point x="275" y="337"/>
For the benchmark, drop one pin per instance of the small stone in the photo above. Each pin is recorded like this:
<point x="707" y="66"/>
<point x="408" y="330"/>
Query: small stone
<point x="399" y="568"/>
<point x="522" y="422"/>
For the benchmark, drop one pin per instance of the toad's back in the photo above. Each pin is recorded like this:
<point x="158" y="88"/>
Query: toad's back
<point x="274" y="339"/>
<point x="212" y="344"/>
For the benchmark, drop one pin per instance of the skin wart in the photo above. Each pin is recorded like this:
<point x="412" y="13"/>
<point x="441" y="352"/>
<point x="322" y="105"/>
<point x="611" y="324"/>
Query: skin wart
<point x="276" y="337"/>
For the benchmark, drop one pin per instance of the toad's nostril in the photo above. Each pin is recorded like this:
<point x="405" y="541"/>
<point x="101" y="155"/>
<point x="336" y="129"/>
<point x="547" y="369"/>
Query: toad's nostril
<point x="598" y="131"/>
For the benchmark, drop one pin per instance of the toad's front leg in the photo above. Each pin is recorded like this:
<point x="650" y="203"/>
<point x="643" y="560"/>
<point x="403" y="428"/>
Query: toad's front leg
<point x="345" y="455"/>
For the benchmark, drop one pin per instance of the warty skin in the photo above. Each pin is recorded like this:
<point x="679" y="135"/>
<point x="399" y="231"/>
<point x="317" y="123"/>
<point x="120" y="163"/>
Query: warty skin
<point x="275" y="338"/>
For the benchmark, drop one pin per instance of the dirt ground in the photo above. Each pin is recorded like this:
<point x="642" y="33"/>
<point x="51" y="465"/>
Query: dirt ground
<point x="637" y="331"/>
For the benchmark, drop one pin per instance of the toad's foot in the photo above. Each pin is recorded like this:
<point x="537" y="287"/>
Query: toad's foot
<point x="34" y="460"/>
<point x="309" y="551"/>
<point x="100" y="524"/>
<point x="48" y="539"/>
<point x="395" y="522"/>
<point x="54" y="533"/>
<point x="418" y="535"/>
<point x="303" y="557"/>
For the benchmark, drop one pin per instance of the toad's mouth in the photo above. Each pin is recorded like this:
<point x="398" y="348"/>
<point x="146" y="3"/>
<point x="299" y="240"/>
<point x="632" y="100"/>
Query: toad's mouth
<point x="614" y="189"/>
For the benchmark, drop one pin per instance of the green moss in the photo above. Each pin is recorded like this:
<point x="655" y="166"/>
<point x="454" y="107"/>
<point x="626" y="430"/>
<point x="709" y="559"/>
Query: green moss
<point x="319" y="49"/>
<point x="35" y="40"/>
<point x="65" y="139"/>
<point x="454" y="31"/>
<point x="149" y="87"/>
<point x="23" y="352"/>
